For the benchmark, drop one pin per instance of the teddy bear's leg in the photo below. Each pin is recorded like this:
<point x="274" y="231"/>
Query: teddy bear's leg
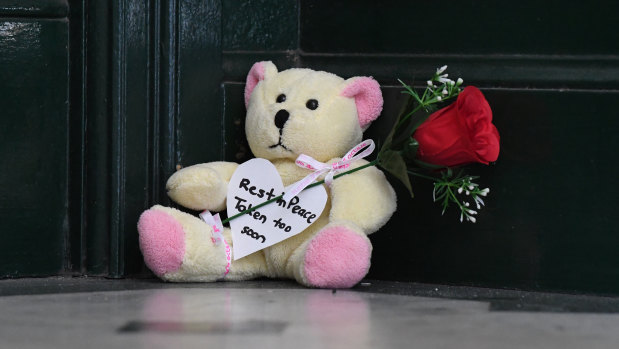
<point x="248" y="267"/>
<point x="178" y="247"/>
<point x="338" y="256"/>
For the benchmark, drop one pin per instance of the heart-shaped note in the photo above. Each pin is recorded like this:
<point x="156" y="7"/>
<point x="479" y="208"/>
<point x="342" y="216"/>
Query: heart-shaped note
<point x="255" y="182"/>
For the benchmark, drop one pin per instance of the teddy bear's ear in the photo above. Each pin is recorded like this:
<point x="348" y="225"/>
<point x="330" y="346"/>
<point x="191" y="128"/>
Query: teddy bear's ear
<point x="368" y="98"/>
<point x="259" y="71"/>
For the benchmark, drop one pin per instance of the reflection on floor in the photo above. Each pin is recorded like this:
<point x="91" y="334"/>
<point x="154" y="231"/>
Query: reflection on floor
<point x="84" y="313"/>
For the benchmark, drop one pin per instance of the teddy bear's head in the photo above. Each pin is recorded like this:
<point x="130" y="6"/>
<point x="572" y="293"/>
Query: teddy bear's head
<point x="301" y="111"/>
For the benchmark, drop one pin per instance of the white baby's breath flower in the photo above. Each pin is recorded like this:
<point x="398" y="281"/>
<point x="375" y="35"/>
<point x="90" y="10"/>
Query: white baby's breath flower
<point x="467" y="204"/>
<point x="429" y="82"/>
<point x="479" y="201"/>
<point x="467" y="192"/>
<point x="461" y="216"/>
<point x="445" y="92"/>
<point x="484" y="192"/>
<point x="460" y="190"/>
<point x="472" y="219"/>
<point x="441" y="69"/>
<point x="443" y="79"/>
<point x="438" y="98"/>
<point x="459" y="82"/>
<point x="451" y="82"/>
<point x="471" y="211"/>
<point x="471" y="187"/>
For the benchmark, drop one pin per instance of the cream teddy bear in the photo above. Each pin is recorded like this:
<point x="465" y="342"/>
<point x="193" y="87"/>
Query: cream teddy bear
<point x="289" y="113"/>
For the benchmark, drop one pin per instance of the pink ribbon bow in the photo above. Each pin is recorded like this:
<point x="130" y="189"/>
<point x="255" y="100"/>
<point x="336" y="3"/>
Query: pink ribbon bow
<point x="331" y="170"/>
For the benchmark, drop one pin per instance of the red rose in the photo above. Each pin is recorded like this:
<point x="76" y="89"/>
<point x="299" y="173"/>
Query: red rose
<point x="459" y="134"/>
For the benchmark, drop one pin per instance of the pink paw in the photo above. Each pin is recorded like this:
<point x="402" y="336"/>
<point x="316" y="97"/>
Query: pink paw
<point x="162" y="241"/>
<point x="337" y="258"/>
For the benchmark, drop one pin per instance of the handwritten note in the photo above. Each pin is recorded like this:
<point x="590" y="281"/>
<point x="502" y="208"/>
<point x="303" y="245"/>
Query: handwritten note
<point x="255" y="182"/>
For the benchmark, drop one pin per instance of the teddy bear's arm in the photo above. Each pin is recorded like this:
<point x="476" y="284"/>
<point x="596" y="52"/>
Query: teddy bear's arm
<point x="365" y="198"/>
<point x="202" y="186"/>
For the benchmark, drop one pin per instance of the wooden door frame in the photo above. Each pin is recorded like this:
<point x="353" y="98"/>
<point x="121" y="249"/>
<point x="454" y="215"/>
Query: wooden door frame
<point x="138" y="100"/>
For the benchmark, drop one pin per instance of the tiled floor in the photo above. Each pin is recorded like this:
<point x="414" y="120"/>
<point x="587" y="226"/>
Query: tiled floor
<point x="86" y="313"/>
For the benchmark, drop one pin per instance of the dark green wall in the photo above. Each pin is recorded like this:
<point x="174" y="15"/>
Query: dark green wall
<point x="551" y="75"/>
<point x="103" y="99"/>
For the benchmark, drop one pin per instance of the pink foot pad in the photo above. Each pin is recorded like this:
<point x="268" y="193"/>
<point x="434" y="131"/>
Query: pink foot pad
<point x="162" y="241"/>
<point x="337" y="258"/>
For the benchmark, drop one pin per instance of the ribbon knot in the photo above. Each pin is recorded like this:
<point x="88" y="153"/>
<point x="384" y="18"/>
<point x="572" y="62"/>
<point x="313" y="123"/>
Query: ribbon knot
<point x="359" y="151"/>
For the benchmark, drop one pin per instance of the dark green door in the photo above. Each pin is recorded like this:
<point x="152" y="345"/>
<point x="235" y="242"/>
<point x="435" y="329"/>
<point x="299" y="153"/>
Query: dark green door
<point x="104" y="99"/>
<point x="34" y="133"/>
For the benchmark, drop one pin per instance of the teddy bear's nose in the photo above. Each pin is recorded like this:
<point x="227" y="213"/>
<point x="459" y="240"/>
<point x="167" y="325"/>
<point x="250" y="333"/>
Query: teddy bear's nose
<point x="281" y="117"/>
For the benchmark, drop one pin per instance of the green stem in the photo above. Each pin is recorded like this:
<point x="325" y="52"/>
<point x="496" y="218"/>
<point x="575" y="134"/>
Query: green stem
<point x="425" y="92"/>
<point x="454" y="198"/>
<point x="422" y="176"/>
<point x="416" y="109"/>
<point x="371" y="163"/>
<point x="423" y="103"/>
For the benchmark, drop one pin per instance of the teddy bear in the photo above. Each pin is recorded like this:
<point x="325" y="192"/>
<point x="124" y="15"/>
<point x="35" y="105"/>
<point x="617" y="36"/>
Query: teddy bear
<point x="289" y="113"/>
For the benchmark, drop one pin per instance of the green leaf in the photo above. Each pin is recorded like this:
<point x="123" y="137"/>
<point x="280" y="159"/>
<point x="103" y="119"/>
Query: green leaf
<point x="388" y="141"/>
<point x="392" y="162"/>
<point x="406" y="106"/>
<point x="440" y="197"/>
<point x="410" y="91"/>
<point x="440" y="189"/>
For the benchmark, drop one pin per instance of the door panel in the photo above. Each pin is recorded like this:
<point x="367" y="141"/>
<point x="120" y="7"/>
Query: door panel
<point x="34" y="131"/>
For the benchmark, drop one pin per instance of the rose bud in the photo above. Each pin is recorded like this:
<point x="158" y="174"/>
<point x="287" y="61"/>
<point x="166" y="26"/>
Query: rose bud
<point x="460" y="133"/>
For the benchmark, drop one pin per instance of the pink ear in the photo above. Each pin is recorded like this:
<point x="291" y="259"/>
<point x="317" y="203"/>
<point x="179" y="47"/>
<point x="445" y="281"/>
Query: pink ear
<point x="256" y="73"/>
<point x="368" y="98"/>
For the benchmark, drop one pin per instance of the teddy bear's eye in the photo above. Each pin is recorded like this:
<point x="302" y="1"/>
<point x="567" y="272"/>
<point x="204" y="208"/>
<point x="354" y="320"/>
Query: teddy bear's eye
<point x="281" y="98"/>
<point x="312" y="104"/>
